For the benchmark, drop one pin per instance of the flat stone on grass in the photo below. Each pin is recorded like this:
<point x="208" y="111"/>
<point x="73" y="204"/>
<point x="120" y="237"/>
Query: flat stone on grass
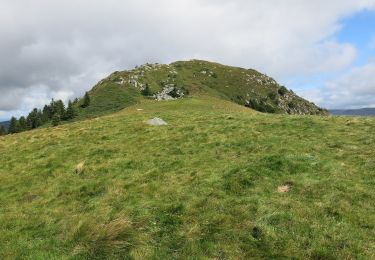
<point x="156" y="122"/>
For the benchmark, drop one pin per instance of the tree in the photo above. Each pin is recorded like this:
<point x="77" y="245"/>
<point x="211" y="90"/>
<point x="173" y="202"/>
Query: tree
<point x="23" y="124"/>
<point x="70" y="111"/>
<point x="146" y="91"/>
<point x="86" y="100"/>
<point x="60" y="108"/>
<point x="52" y="108"/>
<point x="3" y="131"/>
<point x="34" y="119"/>
<point x="46" y="114"/>
<point x="56" y="119"/>
<point x="14" y="126"/>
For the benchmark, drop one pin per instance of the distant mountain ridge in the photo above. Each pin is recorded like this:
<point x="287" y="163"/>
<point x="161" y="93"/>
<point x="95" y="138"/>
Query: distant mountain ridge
<point x="353" y="112"/>
<point x="5" y="124"/>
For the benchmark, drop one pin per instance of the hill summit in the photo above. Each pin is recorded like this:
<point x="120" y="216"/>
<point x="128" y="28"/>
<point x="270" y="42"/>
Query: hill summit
<point x="182" y="79"/>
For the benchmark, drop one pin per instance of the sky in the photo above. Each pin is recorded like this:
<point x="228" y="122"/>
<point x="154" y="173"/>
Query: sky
<point x="323" y="49"/>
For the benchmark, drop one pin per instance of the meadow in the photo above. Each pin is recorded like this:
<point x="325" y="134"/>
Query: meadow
<point x="206" y="186"/>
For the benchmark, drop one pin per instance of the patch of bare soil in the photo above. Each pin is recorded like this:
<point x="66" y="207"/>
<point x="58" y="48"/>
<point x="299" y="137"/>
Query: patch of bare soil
<point x="284" y="188"/>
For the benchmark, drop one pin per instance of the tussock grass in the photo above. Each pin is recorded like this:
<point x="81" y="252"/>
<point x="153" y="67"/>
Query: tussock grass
<point x="99" y="241"/>
<point x="80" y="168"/>
<point x="205" y="186"/>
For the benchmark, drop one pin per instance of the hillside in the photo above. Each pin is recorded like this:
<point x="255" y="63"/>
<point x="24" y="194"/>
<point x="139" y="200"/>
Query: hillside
<point x="180" y="79"/>
<point x="220" y="181"/>
<point x="353" y="112"/>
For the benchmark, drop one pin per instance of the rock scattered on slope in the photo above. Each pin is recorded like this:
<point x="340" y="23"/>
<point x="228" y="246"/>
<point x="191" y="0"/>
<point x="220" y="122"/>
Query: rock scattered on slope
<point x="156" y="122"/>
<point x="169" y="92"/>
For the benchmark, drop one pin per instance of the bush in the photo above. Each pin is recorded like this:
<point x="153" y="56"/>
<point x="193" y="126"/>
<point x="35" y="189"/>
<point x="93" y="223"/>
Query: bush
<point x="146" y="91"/>
<point x="174" y="93"/>
<point x="272" y="95"/>
<point x="292" y="105"/>
<point x="282" y="90"/>
<point x="261" y="106"/>
<point x="185" y="91"/>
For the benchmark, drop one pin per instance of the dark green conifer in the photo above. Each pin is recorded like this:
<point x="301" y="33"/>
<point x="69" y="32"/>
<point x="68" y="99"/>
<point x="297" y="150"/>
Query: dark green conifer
<point x="60" y="108"/>
<point x="14" y="126"/>
<point x="86" y="100"/>
<point x="23" y="124"/>
<point x="56" y="119"/>
<point x="70" y="112"/>
<point x="46" y="114"/>
<point x="34" y="119"/>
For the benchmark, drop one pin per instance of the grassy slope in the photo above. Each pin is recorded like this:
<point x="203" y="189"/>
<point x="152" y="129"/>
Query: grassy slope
<point x="203" y="186"/>
<point x="107" y="98"/>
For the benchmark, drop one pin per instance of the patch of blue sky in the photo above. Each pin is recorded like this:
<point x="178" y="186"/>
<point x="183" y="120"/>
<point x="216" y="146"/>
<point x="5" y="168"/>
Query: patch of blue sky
<point x="359" y="30"/>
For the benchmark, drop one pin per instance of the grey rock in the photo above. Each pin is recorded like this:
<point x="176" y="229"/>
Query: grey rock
<point x="156" y="122"/>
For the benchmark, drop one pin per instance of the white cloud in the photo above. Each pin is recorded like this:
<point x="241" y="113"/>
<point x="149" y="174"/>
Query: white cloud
<point x="355" y="89"/>
<point x="67" y="47"/>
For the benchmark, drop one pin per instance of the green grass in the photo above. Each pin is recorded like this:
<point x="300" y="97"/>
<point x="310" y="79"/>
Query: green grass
<point x="203" y="187"/>
<point x="107" y="98"/>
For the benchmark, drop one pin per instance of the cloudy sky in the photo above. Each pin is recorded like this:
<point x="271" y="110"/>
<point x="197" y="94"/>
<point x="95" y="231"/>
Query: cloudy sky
<point x="323" y="49"/>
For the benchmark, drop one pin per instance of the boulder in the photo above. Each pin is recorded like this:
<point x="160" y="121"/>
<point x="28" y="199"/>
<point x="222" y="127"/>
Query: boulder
<point x="156" y="122"/>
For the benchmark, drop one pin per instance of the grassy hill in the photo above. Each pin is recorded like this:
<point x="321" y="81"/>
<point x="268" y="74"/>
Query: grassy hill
<point x="193" y="78"/>
<point x="221" y="181"/>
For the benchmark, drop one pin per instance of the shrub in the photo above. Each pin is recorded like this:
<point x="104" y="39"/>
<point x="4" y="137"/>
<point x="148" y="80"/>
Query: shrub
<point x="272" y="95"/>
<point x="261" y="106"/>
<point x="282" y="90"/>
<point x="146" y="91"/>
<point x="174" y="93"/>
<point x="185" y="91"/>
<point x="292" y="105"/>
